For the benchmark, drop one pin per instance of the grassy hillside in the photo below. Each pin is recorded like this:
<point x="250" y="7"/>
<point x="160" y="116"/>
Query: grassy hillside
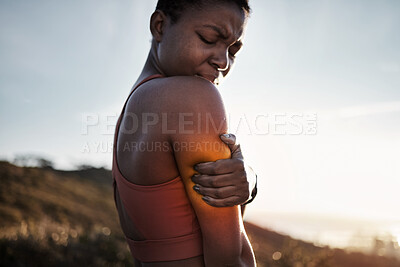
<point x="57" y="218"/>
<point x="65" y="218"/>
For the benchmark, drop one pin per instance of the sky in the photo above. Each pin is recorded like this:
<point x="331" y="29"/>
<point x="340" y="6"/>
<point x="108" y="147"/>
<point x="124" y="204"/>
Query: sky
<point x="314" y="96"/>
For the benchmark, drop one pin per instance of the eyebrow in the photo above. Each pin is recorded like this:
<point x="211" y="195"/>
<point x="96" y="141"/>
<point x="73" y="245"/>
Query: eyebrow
<point x="217" y="29"/>
<point x="221" y="33"/>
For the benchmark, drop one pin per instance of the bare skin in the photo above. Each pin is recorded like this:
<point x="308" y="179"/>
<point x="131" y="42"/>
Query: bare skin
<point x="180" y="52"/>
<point x="224" y="183"/>
<point x="233" y="176"/>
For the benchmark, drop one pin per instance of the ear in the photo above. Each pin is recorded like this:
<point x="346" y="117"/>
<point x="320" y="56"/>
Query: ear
<point x="158" y="22"/>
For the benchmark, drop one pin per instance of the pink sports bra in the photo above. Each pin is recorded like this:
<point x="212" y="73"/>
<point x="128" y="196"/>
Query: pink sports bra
<point x="161" y="213"/>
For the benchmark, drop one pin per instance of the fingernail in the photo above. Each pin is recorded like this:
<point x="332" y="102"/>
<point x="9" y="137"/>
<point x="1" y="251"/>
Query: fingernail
<point x="226" y="135"/>
<point x="196" y="188"/>
<point x="196" y="167"/>
<point x="205" y="198"/>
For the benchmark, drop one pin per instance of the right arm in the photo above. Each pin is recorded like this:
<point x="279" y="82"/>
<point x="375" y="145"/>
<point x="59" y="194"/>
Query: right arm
<point x="227" y="182"/>
<point x="196" y="139"/>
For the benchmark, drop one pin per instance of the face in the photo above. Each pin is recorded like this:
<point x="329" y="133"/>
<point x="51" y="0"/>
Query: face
<point x="202" y="43"/>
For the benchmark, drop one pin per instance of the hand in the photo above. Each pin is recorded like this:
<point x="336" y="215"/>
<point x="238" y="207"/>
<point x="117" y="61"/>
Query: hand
<point x="224" y="183"/>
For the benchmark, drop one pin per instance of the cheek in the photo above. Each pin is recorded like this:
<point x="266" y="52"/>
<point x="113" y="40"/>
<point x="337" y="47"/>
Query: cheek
<point x="181" y="58"/>
<point x="180" y="53"/>
<point x="192" y="55"/>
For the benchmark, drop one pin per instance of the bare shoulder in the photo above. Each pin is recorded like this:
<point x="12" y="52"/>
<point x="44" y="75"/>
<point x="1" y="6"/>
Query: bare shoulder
<point x="179" y="93"/>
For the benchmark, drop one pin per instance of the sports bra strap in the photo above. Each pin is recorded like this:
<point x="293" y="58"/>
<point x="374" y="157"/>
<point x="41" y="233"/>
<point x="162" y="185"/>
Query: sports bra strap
<point x="126" y="101"/>
<point x="151" y="77"/>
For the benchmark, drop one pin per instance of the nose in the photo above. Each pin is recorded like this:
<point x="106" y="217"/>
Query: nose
<point x="221" y="60"/>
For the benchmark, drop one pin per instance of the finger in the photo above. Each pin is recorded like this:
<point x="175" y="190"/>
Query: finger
<point x="213" y="181"/>
<point x="227" y="166"/>
<point x="226" y="202"/>
<point x="217" y="193"/>
<point x="220" y="180"/>
<point x="234" y="146"/>
<point x="221" y="166"/>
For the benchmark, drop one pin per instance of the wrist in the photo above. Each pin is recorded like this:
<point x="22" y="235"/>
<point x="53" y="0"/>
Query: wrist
<point x="252" y="179"/>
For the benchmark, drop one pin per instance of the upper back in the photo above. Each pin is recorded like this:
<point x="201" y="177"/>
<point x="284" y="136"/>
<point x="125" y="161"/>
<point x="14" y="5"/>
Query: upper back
<point x="144" y="152"/>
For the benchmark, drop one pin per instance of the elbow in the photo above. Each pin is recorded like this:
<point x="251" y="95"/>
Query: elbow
<point x="226" y="257"/>
<point x="234" y="259"/>
<point x="237" y="262"/>
<point x="224" y="262"/>
<point x="242" y="258"/>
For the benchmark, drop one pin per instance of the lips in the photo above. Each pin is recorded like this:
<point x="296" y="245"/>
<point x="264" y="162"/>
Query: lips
<point x="209" y="77"/>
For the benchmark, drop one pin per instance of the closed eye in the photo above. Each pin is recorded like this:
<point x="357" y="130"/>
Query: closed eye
<point x="205" y="40"/>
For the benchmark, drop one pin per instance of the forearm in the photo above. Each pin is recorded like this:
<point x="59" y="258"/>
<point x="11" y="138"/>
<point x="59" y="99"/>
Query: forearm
<point x="243" y="257"/>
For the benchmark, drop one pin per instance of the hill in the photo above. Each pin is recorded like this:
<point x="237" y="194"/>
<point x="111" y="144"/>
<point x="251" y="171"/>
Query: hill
<point x="65" y="218"/>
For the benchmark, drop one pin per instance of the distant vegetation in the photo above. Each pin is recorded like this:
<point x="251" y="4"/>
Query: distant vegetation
<point x="59" y="218"/>
<point x="32" y="160"/>
<point x="67" y="218"/>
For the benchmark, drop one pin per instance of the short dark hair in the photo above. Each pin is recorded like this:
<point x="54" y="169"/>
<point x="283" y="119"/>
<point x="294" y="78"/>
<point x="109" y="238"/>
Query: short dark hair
<point x="175" y="8"/>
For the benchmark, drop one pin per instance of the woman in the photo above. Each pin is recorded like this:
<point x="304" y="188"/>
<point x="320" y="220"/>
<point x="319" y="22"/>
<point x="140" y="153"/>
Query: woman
<point x="171" y="121"/>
